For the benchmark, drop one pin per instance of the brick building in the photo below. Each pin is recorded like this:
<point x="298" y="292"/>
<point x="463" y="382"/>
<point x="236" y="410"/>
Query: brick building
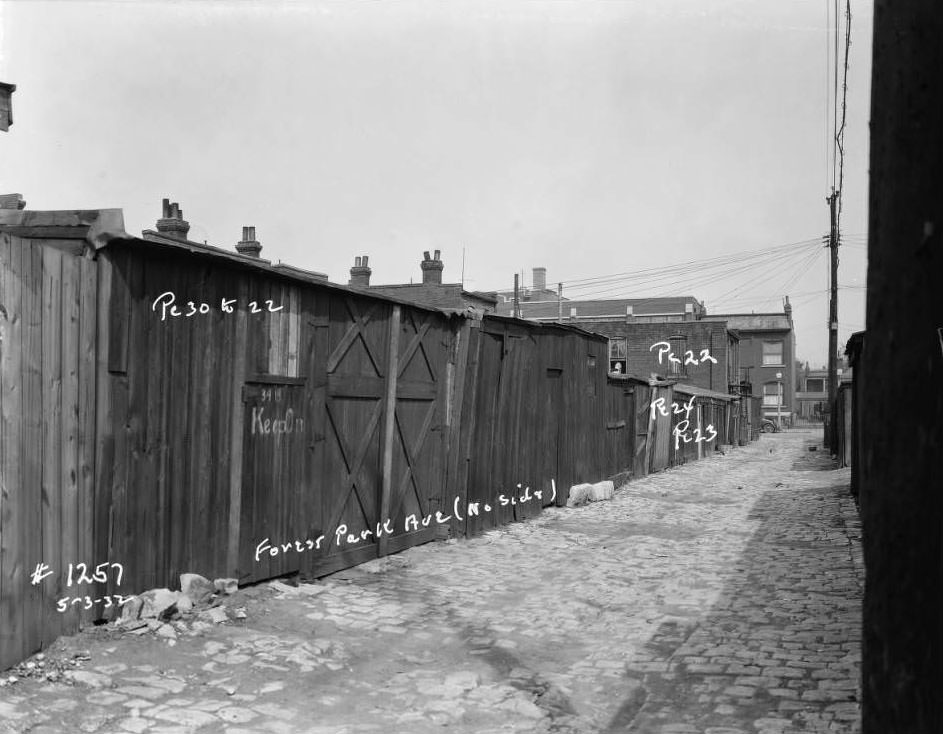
<point x="537" y="292"/>
<point x="662" y="336"/>
<point x="6" y="105"/>
<point x="430" y="292"/>
<point x="812" y="394"/>
<point x="767" y="357"/>
<point x="700" y="353"/>
<point x="634" y="310"/>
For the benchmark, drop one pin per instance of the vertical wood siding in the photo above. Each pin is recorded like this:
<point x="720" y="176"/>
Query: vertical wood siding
<point x="47" y="460"/>
<point x="186" y="444"/>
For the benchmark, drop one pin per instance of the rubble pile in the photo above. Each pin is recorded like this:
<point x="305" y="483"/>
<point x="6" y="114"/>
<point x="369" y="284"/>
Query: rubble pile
<point x="42" y="666"/>
<point x="198" y="606"/>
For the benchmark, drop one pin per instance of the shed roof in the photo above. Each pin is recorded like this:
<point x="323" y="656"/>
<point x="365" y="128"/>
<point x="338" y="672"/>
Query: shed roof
<point x="604" y="307"/>
<point x="753" y="321"/>
<point x="702" y="392"/>
<point x="104" y="228"/>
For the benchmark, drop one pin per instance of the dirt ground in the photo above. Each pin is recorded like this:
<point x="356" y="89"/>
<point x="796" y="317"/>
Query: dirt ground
<point x="715" y="598"/>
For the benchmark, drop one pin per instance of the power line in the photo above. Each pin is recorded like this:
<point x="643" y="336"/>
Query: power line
<point x="692" y="271"/>
<point x="791" y="269"/>
<point x="678" y="280"/>
<point x="840" y="137"/>
<point x="719" y="259"/>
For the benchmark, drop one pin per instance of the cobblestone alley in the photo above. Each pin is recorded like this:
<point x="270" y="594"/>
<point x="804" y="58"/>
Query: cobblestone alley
<point x="722" y="597"/>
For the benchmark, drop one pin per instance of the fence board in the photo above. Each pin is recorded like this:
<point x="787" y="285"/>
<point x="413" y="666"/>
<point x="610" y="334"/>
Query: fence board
<point x="50" y="448"/>
<point x="14" y="641"/>
<point x="68" y="479"/>
<point x="85" y="444"/>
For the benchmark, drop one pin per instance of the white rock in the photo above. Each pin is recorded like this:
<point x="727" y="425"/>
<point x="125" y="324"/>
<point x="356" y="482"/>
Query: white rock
<point x="187" y="717"/>
<point x="603" y="491"/>
<point x="465" y="680"/>
<point x="217" y="615"/>
<point x="88" y="678"/>
<point x="580" y="494"/>
<point x="157" y="602"/>
<point x="165" y="630"/>
<point x="132" y="610"/>
<point x="226" y="586"/>
<point x="236" y="714"/>
<point x="184" y="603"/>
<point x="198" y="588"/>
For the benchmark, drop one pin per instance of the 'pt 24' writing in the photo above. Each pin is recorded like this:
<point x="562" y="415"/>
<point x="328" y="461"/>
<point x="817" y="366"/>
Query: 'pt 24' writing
<point x="680" y="431"/>
<point x="166" y="302"/>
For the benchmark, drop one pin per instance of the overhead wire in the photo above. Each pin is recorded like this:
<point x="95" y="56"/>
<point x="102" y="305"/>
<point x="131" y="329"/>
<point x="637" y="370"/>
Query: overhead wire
<point x="733" y="257"/>
<point x="685" y="273"/>
<point x="793" y="271"/>
<point x="840" y="135"/>
<point x="676" y="283"/>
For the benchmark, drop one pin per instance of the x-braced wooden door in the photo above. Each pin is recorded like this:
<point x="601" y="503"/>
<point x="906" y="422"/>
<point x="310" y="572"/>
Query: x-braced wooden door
<point x="415" y="441"/>
<point x="382" y="464"/>
<point x="348" y="487"/>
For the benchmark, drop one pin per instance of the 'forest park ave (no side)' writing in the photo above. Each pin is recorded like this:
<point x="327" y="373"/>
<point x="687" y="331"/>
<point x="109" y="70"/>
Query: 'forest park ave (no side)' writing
<point x="412" y="522"/>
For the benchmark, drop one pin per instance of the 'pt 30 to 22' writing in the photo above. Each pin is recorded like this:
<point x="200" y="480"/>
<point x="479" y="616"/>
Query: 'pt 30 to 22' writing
<point x="166" y="305"/>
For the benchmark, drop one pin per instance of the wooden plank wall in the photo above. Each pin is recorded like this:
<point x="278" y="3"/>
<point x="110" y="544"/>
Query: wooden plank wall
<point x="166" y="418"/>
<point x="127" y="437"/>
<point x="539" y="396"/>
<point x="620" y="425"/>
<point x="47" y="408"/>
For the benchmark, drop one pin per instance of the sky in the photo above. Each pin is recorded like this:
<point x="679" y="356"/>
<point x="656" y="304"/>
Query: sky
<point x="591" y="138"/>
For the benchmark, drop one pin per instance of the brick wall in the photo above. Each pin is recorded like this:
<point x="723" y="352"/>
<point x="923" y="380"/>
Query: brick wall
<point x="641" y="360"/>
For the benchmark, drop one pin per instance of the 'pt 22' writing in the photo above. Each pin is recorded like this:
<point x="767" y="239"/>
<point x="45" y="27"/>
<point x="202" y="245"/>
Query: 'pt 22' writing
<point x="665" y="348"/>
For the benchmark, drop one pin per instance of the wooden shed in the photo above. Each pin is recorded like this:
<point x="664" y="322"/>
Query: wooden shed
<point x="174" y="407"/>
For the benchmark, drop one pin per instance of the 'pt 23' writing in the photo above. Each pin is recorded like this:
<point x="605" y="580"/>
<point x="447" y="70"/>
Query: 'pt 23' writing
<point x="680" y="431"/>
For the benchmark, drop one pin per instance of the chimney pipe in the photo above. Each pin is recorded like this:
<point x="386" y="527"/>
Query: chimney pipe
<point x="540" y="279"/>
<point x="172" y="223"/>
<point x="431" y="269"/>
<point x="249" y="245"/>
<point x="360" y="273"/>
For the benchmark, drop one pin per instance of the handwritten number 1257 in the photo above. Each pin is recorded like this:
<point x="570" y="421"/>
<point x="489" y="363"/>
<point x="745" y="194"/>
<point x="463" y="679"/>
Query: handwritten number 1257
<point x="100" y="575"/>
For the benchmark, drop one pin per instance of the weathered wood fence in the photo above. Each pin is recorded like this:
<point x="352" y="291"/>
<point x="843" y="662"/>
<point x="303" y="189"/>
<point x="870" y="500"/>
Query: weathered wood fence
<point x="176" y="408"/>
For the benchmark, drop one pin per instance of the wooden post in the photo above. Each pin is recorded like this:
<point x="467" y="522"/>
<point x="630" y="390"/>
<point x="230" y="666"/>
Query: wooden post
<point x="237" y="437"/>
<point x="456" y="418"/>
<point x="389" y="426"/>
<point x="902" y="439"/>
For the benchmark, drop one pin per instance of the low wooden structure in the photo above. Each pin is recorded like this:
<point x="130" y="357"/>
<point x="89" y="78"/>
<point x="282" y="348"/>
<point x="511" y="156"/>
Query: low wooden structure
<point x="173" y="407"/>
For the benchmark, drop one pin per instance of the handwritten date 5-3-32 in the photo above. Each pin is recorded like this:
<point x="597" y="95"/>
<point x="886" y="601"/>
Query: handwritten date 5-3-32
<point x="166" y="304"/>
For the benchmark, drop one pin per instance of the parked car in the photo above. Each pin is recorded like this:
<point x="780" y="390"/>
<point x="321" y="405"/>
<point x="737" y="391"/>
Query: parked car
<point x="768" y="426"/>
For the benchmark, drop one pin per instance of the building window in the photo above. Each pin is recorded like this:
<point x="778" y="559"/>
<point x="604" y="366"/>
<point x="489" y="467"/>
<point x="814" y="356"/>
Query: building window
<point x="771" y="395"/>
<point x="815" y="384"/>
<point x="617" y="355"/>
<point x="772" y="353"/>
<point x="679" y="343"/>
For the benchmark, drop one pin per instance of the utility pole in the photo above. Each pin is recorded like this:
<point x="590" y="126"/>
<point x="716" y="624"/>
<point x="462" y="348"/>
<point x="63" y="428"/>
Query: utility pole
<point x="832" y="437"/>
<point x="517" y="301"/>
